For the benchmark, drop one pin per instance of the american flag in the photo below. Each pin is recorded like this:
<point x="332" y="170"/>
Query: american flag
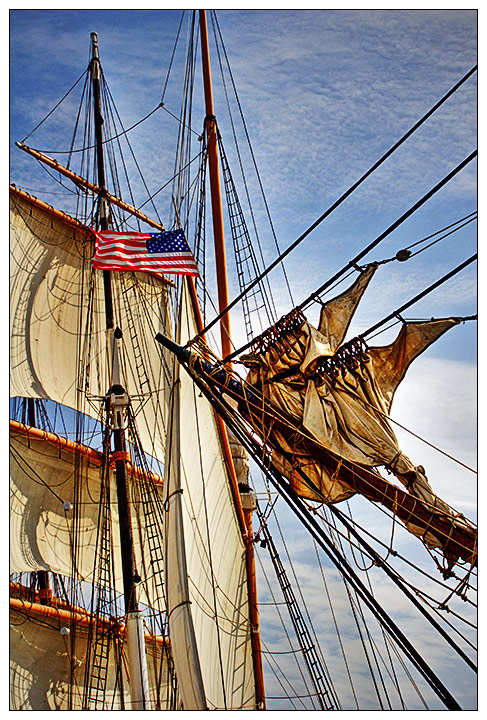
<point x="165" y="252"/>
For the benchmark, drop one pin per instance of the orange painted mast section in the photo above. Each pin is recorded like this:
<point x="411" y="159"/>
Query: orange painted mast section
<point x="226" y="346"/>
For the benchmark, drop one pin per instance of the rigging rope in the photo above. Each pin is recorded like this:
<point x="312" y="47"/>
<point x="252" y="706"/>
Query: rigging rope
<point x="405" y="254"/>
<point x="105" y="141"/>
<point x="172" y="58"/>
<point x="299" y="508"/>
<point x="293" y="651"/>
<point x="296" y="504"/>
<point x="392" y="551"/>
<point x="315" y="663"/>
<point x="216" y="26"/>
<point x="224" y="383"/>
<point x="399" y="582"/>
<point x="348" y="192"/>
<point x="56" y="106"/>
<point x="352" y="263"/>
<point x="420" y="295"/>
<point x="333" y="614"/>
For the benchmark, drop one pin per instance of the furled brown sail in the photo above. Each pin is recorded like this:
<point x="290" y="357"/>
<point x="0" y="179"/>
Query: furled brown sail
<point x="338" y="397"/>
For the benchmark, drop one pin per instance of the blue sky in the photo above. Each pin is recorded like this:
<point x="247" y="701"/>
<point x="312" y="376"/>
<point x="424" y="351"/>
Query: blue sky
<point x="325" y="93"/>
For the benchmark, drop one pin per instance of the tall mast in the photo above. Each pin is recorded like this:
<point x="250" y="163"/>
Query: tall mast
<point x="221" y="268"/>
<point x="117" y="403"/>
<point x="216" y="197"/>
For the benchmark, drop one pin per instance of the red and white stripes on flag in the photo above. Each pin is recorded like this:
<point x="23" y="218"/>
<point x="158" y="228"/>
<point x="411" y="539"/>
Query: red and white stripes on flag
<point x="165" y="252"/>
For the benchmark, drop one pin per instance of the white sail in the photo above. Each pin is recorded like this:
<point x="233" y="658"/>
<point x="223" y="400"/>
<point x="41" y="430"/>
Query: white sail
<point x="58" y="337"/>
<point x="46" y="675"/>
<point x="180" y="618"/>
<point x="214" y="551"/>
<point x="43" y="477"/>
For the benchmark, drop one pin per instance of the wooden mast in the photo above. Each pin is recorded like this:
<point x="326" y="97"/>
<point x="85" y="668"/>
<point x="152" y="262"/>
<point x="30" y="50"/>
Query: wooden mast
<point x="216" y="198"/>
<point x="117" y="403"/>
<point x="226" y="347"/>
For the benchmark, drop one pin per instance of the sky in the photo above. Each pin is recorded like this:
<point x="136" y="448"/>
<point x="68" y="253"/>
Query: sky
<point x="324" y="94"/>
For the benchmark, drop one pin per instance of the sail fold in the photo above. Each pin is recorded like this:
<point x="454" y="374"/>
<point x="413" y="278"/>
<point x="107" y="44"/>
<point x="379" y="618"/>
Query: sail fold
<point x="339" y="395"/>
<point x="54" y="513"/>
<point x="208" y="601"/>
<point x="45" y="673"/>
<point x="58" y="326"/>
<point x="336" y="314"/>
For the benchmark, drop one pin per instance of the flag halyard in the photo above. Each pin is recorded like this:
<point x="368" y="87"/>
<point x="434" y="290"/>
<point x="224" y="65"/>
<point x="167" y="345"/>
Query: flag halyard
<point x="164" y="252"/>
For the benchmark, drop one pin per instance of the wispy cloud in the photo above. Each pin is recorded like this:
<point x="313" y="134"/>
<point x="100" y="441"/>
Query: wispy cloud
<point x="325" y="93"/>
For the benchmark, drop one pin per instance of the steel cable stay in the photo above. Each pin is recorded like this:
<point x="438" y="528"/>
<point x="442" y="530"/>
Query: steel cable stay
<point x="299" y="508"/>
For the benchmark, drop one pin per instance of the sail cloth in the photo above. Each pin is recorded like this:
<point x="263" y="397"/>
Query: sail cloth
<point x="340" y="395"/>
<point x="203" y="537"/>
<point x="58" y="340"/>
<point x="45" y="535"/>
<point x="44" y="675"/>
<point x="164" y="252"/>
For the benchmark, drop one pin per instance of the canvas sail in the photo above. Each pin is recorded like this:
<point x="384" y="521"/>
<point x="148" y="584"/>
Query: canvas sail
<point x="340" y="395"/>
<point x="44" y="535"/>
<point x="45" y="675"/>
<point x="215" y="594"/>
<point x="58" y="340"/>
